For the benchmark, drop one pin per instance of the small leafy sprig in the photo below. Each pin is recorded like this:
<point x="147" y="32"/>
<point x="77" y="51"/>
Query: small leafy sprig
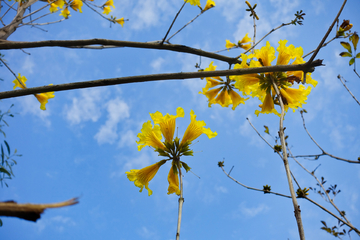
<point x="299" y="16"/>
<point x="354" y="39"/>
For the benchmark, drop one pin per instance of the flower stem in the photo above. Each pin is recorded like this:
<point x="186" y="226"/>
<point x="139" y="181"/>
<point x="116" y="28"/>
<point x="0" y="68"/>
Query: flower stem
<point x="286" y="164"/>
<point x="181" y="201"/>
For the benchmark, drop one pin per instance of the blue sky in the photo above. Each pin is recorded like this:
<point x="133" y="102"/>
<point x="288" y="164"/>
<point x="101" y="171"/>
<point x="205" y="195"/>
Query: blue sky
<point x="84" y="142"/>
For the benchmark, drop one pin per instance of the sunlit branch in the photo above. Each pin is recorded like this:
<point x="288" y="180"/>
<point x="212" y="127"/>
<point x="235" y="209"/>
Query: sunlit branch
<point x="152" y="77"/>
<point x="168" y="31"/>
<point x="181" y="202"/>
<point x="339" y="77"/>
<point x="323" y="151"/>
<point x="286" y="163"/>
<point x="251" y="188"/>
<point x="327" y="33"/>
<point x="28" y="211"/>
<point x="42" y="24"/>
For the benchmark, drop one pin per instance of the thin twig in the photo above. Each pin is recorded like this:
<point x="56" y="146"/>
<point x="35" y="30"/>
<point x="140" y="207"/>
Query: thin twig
<point x="263" y="138"/>
<point x="148" y="78"/>
<point x="273" y="30"/>
<point x="339" y="77"/>
<point x="321" y="46"/>
<point x="184" y="26"/>
<point x="323" y="151"/>
<point x="177" y="14"/>
<point x="21" y="83"/>
<point x="251" y="188"/>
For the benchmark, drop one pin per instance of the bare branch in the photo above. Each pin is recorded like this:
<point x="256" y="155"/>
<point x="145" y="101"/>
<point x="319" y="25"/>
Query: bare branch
<point x="251" y="188"/>
<point x="323" y="151"/>
<point x="28" y="211"/>
<point x="339" y="77"/>
<point x="177" y="14"/>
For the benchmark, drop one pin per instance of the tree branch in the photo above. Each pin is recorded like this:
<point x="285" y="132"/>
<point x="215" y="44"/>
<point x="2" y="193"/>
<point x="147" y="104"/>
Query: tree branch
<point x="154" y="77"/>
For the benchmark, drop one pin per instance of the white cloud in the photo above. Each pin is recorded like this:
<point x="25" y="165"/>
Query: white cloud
<point x="28" y="65"/>
<point x="157" y="64"/>
<point x="127" y="138"/>
<point x="117" y="110"/>
<point x="221" y="189"/>
<point x="253" y="211"/>
<point x="86" y="107"/>
<point x="58" y="223"/>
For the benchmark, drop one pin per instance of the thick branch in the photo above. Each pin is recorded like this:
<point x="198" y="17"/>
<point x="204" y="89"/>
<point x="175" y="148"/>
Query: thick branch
<point x="28" y="211"/>
<point x="154" y="77"/>
<point x="6" y="31"/>
<point x="115" y="43"/>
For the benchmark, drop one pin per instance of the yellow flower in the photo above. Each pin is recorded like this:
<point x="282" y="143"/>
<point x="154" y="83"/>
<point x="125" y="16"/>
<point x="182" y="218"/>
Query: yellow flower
<point x="240" y="44"/>
<point x="22" y="80"/>
<point x="173" y="149"/>
<point x="173" y="180"/>
<point x="110" y="3"/>
<point x="229" y="44"/>
<point x="142" y="177"/>
<point x="76" y="4"/>
<point x="261" y="85"/>
<point x="209" y="4"/>
<point x="43" y="98"/>
<point x="245" y="39"/>
<point x="120" y="21"/>
<point x="107" y="10"/>
<point x="65" y="13"/>
<point x="195" y="129"/>
<point x="224" y="93"/>
<point x="193" y="2"/>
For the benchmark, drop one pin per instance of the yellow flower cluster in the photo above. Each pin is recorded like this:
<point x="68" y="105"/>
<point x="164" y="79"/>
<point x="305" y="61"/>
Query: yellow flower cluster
<point x="151" y="135"/>
<point x="209" y="4"/>
<point x="76" y="5"/>
<point x="261" y="85"/>
<point x="42" y="97"/>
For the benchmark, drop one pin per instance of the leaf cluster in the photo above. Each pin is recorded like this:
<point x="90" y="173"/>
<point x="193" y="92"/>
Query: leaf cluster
<point x="7" y="161"/>
<point x="354" y="39"/>
<point x="335" y="230"/>
<point x="331" y="190"/>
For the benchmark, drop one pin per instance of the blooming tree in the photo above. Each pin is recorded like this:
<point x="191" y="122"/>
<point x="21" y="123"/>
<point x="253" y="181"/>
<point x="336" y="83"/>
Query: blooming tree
<point x="278" y="77"/>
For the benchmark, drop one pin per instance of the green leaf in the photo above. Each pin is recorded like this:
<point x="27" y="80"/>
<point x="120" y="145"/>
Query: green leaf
<point x="347" y="46"/>
<point x="7" y="146"/>
<point x="358" y="55"/>
<point x="5" y="171"/>
<point x="351" y="62"/>
<point x="345" y="54"/>
<point x="2" y="155"/>
<point x="354" y="39"/>
<point x="1" y="223"/>
<point x="186" y="167"/>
